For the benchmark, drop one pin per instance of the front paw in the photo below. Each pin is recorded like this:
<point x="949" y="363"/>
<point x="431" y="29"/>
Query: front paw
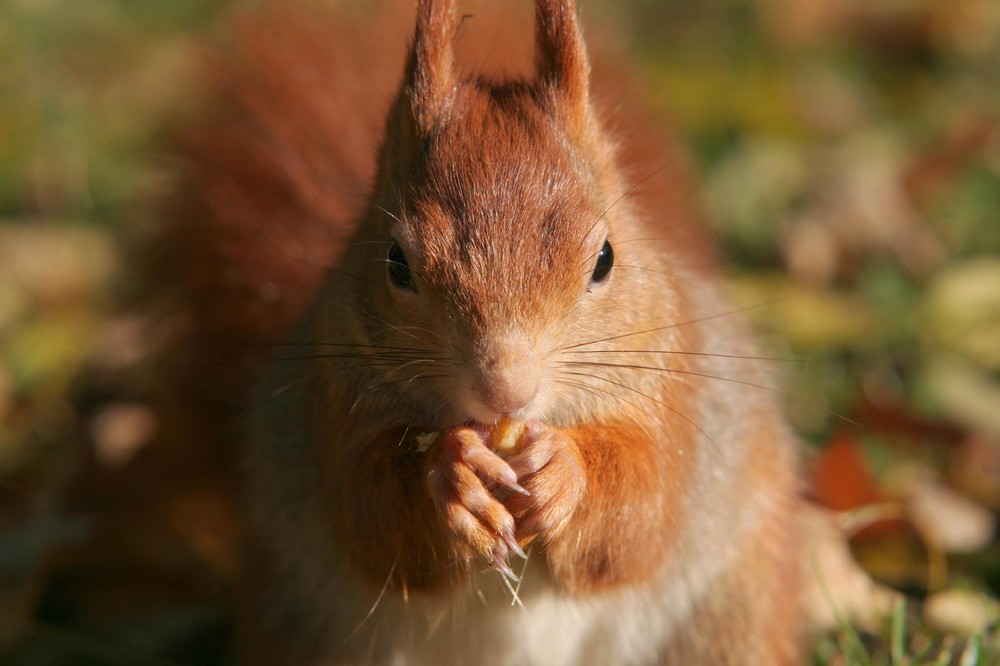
<point x="551" y="469"/>
<point x="460" y="471"/>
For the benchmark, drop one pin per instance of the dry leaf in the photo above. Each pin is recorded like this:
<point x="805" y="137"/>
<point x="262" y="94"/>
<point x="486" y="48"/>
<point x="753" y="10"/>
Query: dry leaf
<point x="840" y="478"/>
<point x="952" y="522"/>
<point x="863" y="206"/>
<point x="962" y="311"/>
<point x="974" y="469"/>
<point x="966" y="394"/>
<point x="119" y="431"/>
<point x="961" y="611"/>
<point x="837" y="588"/>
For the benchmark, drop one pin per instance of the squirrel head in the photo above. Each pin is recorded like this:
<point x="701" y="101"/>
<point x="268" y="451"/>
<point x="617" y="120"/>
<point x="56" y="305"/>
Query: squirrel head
<point x="493" y="222"/>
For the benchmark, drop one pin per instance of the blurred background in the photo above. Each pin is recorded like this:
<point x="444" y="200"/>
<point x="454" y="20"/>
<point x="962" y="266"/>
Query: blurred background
<point x="848" y="154"/>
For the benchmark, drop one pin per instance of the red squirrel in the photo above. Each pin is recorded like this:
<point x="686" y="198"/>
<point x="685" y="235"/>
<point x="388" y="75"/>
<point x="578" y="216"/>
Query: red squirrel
<point x="428" y="252"/>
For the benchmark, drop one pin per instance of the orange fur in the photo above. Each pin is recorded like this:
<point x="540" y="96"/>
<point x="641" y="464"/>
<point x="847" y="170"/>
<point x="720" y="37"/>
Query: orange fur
<point x="649" y="485"/>
<point x="634" y="502"/>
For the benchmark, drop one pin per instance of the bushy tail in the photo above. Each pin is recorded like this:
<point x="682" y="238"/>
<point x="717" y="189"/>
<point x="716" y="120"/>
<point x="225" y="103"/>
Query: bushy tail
<point x="275" y="168"/>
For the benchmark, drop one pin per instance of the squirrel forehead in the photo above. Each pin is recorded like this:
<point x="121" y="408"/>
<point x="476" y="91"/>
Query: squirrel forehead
<point x="503" y="201"/>
<point x="502" y="168"/>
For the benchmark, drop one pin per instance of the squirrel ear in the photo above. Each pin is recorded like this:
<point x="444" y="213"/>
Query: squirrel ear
<point x="562" y="57"/>
<point x="430" y="76"/>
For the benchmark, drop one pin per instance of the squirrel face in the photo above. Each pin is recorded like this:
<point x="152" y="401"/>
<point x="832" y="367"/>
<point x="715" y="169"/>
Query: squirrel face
<point x="497" y="245"/>
<point x="493" y="228"/>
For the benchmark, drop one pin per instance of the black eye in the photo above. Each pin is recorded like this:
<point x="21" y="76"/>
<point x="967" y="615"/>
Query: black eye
<point x="605" y="260"/>
<point x="399" y="268"/>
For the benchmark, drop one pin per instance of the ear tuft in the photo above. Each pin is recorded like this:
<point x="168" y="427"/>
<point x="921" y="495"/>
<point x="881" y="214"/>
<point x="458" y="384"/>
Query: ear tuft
<point x="430" y="72"/>
<point x="562" y="57"/>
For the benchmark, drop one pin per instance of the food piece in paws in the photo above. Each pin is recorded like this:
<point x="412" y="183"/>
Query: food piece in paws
<point x="505" y="435"/>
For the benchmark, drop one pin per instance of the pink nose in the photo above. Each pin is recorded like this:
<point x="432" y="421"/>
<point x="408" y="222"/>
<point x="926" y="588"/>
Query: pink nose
<point x="506" y="392"/>
<point x="505" y="374"/>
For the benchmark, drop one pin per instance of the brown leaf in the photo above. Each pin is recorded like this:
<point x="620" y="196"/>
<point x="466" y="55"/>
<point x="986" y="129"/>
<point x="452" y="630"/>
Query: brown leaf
<point x="947" y="519"/>
<point x="840" y="476"/>
<point x="836" y="587"/>
<point x="119" y="431"/>
<point x="974" y="468"/>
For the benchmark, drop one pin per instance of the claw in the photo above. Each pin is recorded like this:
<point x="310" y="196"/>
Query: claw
<point x="500" y="564"/>
<point x="508" y="479"/>
<point x="514" y="546"/>
<point x="518" y="488"/>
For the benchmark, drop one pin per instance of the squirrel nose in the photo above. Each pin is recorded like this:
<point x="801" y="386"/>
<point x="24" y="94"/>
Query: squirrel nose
<point x="506" y="376"/>
<point x="507" y="390"/>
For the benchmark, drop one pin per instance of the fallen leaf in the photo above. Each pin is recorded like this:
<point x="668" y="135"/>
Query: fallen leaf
<point x="974" y="468"/>
<point x="119" y="431"/>
<point x="962" y="312"/>
<point x="840" y="478"/>
<point x="966" y="394"/>
<point x="961" y="611"/>
<point x="53" y="263"/>
<point x="808" y="317"/>
<point x="954" y="523"/>
<point x="837" y="588"/>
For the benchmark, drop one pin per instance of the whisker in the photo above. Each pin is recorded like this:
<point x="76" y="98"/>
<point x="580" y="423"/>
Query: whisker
<point x="663" y="404"/>
<point x="599" y="392"/>
<point x="785" y="394"/>
<point x="371" y="611"/>
<point x="649" y="239"/>
<point x="389" y="375"/>
<point x="642" y="426"/>
<point x="694" y="353"/>
<point x="693" y="373"/>
<point x="284" y="388"/>
<point x="387" y="260"/>
<point x="332" y="357"/>
<point x="393" y="216"/>
<point x="627" y="192"/>
<point x="650" y="270"/>
<point x="353" y="345"/>
<point x="392" y="326"/>
<point x="676" y="325"/>
<point x="422" y="375"/>
<point x="420" y="329"/>
<point x="344" y="368"/>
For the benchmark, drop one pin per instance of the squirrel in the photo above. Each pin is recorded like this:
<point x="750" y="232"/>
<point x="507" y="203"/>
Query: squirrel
<point x="427" y="257"/>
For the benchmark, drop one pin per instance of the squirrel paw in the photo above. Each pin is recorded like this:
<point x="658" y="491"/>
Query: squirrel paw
<point x="551" y="468"/>
<point x="460" y="473"/>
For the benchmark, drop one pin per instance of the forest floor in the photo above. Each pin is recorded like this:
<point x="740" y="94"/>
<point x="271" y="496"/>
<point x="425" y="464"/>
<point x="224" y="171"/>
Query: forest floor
<point x="848" y="154"/>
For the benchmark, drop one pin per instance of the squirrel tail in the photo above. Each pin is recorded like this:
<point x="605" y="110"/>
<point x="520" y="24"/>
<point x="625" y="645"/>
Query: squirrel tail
<point x="274" y="167"/>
